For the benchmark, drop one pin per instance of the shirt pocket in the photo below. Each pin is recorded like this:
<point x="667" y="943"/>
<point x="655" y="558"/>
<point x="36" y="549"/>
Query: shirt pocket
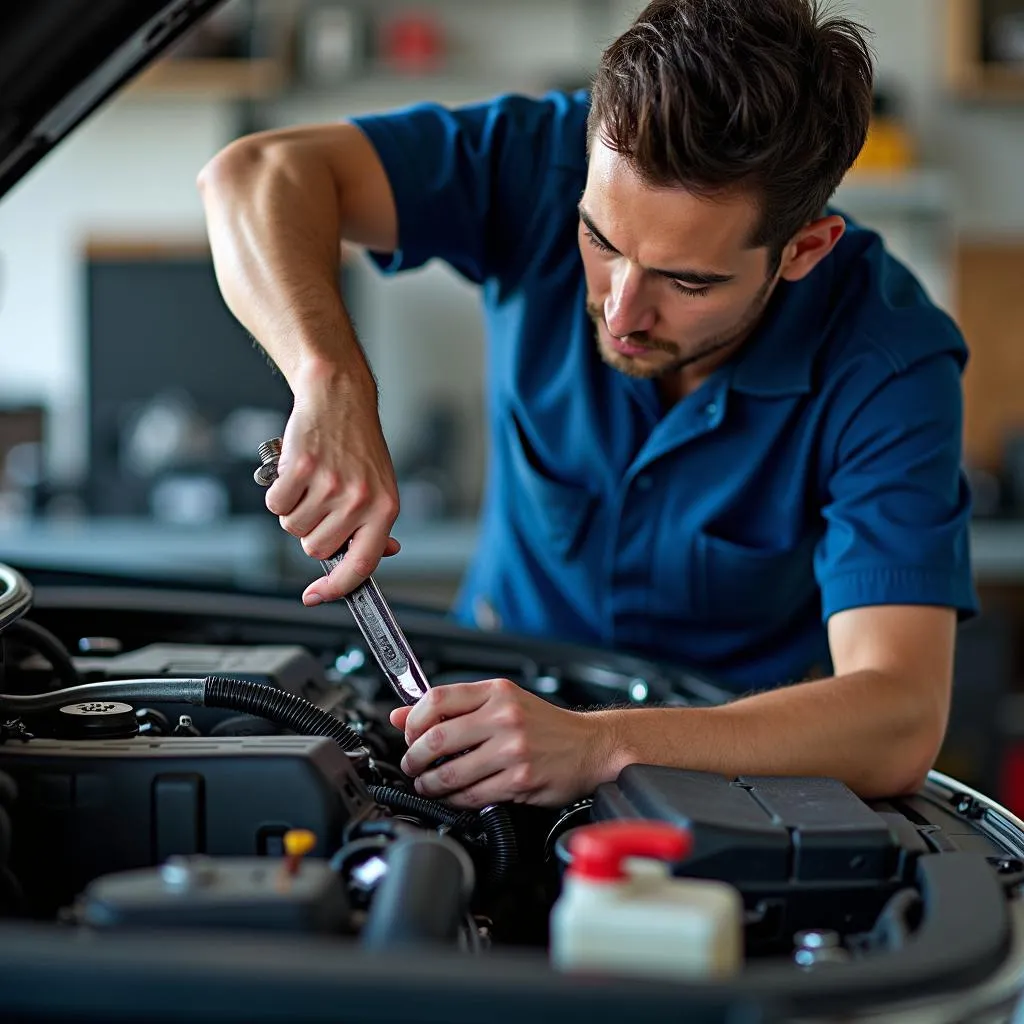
<point x="544" y="506"/>
<point x="743" y="585"/>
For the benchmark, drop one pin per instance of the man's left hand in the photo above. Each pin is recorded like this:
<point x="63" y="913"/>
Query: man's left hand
<point x="517" y="746"/>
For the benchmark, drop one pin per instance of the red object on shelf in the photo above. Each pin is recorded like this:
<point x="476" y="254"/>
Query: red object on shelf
<point x="412" y="43"/>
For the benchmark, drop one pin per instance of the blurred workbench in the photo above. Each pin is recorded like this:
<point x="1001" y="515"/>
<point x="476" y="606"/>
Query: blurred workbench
<point x="251" y="552"/>
<point x="255" y="552"/>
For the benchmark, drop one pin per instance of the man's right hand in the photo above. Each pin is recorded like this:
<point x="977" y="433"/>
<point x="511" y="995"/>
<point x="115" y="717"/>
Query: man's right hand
<point x="336" y="481"/>
<point x="278" y="205"/>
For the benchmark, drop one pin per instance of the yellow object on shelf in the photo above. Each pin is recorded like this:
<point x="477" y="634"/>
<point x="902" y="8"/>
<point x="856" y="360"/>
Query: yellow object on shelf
<point x="888" y="147"/>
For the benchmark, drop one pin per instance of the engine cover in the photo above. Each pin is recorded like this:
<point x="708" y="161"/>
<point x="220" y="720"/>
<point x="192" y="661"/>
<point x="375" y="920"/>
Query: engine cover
<point x="87" y="808"/>
<point x="288" y="667"/>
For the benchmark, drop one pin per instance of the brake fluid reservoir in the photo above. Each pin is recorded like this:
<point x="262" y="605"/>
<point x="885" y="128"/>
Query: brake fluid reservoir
<point x="620" y="914"/>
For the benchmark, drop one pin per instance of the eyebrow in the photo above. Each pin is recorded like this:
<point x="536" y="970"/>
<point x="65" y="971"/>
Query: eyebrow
<point x="689" y="275"/>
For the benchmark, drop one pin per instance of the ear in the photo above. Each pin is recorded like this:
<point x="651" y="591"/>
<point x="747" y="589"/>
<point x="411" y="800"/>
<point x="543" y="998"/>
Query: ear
<point x="809" y="246"/>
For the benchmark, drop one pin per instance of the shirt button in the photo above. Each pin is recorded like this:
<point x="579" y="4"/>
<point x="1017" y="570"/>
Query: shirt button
<point x="644" y="482"/>
<point x="710" y="409"/>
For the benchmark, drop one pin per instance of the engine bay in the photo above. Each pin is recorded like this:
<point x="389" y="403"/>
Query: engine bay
<point x="229" y="770"/>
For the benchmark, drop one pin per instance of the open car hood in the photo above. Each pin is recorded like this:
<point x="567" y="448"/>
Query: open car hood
<point x="60" y="61"/>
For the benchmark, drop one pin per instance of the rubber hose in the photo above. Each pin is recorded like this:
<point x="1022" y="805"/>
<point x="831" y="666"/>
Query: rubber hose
<point x="501" y="838"/>
<point x="413" y="803"/>
<point x="285" y="709"/>
<point x="497" y="826"/>
<point x="897" y="920"/>
<point x="31" y="634"/>
<point x="424" y="896"/>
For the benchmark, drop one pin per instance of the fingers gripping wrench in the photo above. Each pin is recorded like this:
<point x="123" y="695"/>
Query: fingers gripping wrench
<point x="374" y="618"/>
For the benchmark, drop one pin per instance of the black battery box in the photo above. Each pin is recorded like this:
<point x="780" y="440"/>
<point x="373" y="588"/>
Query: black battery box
<point x="796" y="848"/>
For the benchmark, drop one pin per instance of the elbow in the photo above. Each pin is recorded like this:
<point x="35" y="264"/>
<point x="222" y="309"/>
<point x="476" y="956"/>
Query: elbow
<point x="904" y="751"/>
<point x="906" y="771"/>
<point x="242" y="164"/>
<point x="229" y="168"/>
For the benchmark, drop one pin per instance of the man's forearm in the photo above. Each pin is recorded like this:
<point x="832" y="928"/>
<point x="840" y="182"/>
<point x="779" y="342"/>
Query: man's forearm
<point x="871" y="731"/>
<point x="275" y="229"/>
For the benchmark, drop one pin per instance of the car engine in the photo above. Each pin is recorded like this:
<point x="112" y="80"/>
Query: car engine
<point x="181" y="762"/>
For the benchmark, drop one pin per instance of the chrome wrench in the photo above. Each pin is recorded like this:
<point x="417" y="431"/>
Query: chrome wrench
<point x="373" y="616"/>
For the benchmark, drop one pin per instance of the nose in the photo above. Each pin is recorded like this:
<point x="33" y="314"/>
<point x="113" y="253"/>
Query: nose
<point x="626" y="309"/>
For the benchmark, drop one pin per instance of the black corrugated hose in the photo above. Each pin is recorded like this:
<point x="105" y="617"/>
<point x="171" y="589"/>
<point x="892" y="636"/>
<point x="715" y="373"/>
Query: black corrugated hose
<point x="493" y="820"/>
<point x="39" y="639"/>
<point x="285" y="709"/>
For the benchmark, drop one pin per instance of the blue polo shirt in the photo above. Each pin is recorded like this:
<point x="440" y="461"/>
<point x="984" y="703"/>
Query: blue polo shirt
<point x="818" y="470"/>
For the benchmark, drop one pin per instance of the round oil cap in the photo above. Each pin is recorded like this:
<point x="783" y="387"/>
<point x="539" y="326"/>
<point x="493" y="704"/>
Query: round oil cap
<point x="97" y="720"/>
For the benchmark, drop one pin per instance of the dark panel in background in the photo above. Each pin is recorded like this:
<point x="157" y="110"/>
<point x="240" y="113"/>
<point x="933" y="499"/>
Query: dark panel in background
<point x="976" y="739"/>
<point x="179" y="396"/>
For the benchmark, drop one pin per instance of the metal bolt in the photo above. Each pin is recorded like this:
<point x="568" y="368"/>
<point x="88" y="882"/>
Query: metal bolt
<point x="100" y="645"/>
<point x="185" y="727"/>
<point x="817" y="939"/>
<point x="369" y="873"/>
<point x="269" y="452"/>
<point x="187" y="872"/>
<point x="638" y="690"/>
<point x="547" y="684"/>
<point x="818" y="946"/>
<point x="1006" y="865"/>
<point x="969" y="807"/>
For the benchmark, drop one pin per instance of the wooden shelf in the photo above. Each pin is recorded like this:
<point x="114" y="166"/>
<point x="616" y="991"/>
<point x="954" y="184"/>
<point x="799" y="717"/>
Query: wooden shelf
<point x="211" y="78"/>
<point x="164" y="247"/>
<point x="968" y="74"/>
<point x="1001" y="84"/>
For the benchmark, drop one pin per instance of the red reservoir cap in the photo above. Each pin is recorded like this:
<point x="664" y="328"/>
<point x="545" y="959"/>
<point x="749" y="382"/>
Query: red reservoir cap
<point x="598" y="850"/>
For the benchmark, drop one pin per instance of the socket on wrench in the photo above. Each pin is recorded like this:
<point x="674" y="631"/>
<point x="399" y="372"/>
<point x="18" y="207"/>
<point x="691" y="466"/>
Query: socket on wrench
<point x="373" y="616"/>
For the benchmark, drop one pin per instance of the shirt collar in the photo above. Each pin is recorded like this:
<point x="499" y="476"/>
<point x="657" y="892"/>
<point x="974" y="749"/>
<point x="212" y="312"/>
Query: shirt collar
<point x="779" y="357"/>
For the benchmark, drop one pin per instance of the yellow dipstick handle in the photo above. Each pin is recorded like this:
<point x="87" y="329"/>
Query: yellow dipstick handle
<point x="297" y="843"/>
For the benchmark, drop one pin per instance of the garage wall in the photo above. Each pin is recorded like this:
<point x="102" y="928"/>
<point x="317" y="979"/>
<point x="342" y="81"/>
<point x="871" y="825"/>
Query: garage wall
<point x="131" y="170"/>
<point x="982" y="146"/>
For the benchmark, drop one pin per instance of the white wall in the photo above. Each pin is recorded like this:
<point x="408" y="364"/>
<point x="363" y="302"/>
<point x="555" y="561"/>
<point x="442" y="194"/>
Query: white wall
<point x="131" y="170"/>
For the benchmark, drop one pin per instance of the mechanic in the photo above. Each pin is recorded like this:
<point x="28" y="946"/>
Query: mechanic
<point x="725" y="423"/>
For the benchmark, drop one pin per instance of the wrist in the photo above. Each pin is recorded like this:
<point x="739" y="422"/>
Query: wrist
<point x="320" y="373"/>
<point x="609" y="746"/>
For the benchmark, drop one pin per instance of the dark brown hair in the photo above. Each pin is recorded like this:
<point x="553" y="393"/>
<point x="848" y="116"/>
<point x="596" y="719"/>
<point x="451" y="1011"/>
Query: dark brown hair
<point x="711" y="95"/>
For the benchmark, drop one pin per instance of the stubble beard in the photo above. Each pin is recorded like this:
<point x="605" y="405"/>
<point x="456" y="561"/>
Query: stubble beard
<point x="632" y="366"/>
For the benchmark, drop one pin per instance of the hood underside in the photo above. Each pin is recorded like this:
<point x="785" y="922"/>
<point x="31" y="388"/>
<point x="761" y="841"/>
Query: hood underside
<point x="60" y="61"/>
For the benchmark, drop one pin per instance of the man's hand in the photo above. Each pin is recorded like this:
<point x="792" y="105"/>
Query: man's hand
<point x="336" y="481"/>
<point x="278" y="205"/>
<point x="877" y="725"/>
<point x="518" y="747"/>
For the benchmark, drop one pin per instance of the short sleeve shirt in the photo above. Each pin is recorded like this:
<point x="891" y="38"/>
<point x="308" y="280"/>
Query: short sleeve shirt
<point x="818" y="470"/>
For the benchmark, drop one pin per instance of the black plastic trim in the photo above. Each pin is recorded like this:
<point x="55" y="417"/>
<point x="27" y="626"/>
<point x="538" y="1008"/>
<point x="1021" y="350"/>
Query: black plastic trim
<point x="195" y="978"/>
<point x="964" y="936"/>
